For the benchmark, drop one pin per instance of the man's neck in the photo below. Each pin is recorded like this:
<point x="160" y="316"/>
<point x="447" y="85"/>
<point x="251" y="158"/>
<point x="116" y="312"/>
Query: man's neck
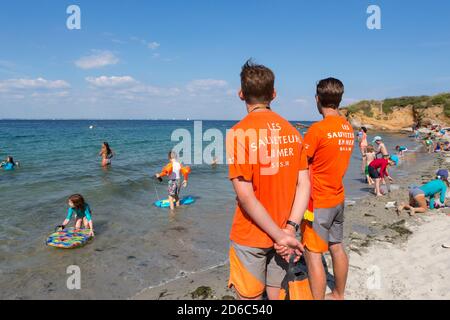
<point x="257" y="107"/>
<point x="330" y="112"/>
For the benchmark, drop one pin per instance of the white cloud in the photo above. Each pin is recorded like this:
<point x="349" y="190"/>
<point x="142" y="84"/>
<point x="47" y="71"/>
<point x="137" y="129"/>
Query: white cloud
<point x="109" y="82"/>
<point x="38" y="83"/>
<point x="129" y="88"/>
<point x="153" y="45"/>
<point x="97" y="60"/>
<point x="202" y="85"/>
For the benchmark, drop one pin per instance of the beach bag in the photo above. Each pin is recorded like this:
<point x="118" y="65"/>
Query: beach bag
<point x="295" y="286"/>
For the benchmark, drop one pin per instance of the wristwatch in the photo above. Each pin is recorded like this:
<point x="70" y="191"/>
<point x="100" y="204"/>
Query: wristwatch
<point x="295" y="225"/>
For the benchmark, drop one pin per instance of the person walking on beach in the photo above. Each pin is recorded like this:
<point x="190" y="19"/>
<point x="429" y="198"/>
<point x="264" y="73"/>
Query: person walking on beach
<point x="329" y="144"/>
<point x="269" y="173"/>
<point x="174" y="170"/>
<point x="107" y="154"/>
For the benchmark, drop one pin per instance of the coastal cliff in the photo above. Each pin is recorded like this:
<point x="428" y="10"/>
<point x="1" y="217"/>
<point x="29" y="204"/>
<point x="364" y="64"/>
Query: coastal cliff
<point x="399" y="114"/>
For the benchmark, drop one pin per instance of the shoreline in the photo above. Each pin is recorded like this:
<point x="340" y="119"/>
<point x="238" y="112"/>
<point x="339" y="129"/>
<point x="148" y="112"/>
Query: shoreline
<point x="375" y="239"/>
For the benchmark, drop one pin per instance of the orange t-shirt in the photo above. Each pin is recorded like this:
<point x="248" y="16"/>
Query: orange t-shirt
<point x="329" y="145"/>
<point x="267" y="150"/>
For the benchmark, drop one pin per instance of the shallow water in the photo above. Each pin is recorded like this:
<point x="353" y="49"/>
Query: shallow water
<point x="137" y="245"/>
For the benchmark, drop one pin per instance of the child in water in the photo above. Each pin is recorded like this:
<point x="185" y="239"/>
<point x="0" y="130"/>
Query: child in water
<point x="401" y="150"/>
<point x="173" y="170"/>
<point x="418" y="195"/>
<point x="107" y="154"/>
<point x="378" y="170"/>
<point x="9" y="164"/>
<point x="82" y="212"/>
<point x="368" y="157"/>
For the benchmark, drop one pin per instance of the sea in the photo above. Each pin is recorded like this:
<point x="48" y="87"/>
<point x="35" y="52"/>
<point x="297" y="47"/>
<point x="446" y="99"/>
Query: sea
<point x="137" y="245"/>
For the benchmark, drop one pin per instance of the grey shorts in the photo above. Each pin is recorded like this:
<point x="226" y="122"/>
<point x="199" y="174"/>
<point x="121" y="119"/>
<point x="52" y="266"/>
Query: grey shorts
<point x="415" y="192"/>
<point x="252" y="269"/>
<point x="329" y="223"/>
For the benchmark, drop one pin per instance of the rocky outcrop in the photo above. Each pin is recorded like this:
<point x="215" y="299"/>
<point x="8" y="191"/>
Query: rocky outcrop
<point x="401" y="113"/>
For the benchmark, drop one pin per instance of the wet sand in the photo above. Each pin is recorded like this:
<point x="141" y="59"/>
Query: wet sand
<point x="391" y="256"/>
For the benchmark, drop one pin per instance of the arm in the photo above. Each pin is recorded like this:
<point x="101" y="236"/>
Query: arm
<point x="302" y="196"/>
<point x="257" y="212"/>
<point x="68" y="217"/>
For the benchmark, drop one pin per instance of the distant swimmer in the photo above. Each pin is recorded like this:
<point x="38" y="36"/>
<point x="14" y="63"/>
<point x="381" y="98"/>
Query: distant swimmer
<point x="418" y="195"/>
<point x="9" y="164"/>
<point x="107" y="154"/>
<point x="174" y="170"/>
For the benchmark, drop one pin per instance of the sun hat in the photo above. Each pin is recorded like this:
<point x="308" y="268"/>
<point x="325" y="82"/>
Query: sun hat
<point x="377" y="138"/>
<point x="442" y="173"/>
<point x="395" y="159"/>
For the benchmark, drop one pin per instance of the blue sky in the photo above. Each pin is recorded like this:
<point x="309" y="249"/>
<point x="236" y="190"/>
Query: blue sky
<point x="181" y="59"/>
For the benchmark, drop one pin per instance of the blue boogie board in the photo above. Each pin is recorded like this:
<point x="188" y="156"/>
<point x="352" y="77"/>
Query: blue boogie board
<point x="165" y="203"/>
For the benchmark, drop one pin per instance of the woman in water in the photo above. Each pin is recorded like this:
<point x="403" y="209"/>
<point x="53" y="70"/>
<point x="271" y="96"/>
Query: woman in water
<point x="82" y="212"/>
<point x="362" y="138"/>
<point x="106" y="153"/>
<point x="418" y="195"/>
<point x="9" y="164"/>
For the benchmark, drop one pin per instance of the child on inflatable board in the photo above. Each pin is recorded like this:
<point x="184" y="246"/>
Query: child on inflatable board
<point x="174" y="170"/>
<point x="82" y="212"/>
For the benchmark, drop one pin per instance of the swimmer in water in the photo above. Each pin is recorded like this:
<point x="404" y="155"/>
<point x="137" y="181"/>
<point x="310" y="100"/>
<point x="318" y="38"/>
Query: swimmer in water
<point x="107" y="154"/>
<point x="9" y="164"/>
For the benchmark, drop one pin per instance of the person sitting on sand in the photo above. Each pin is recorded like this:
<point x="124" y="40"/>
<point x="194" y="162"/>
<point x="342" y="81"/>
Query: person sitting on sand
<point x="368" y="157"/>
<point x="380" y="147"/>
<point x="107" y="154"/>
<point x="173" y="170"/>
<point x="418" y="195"/>
<point x="401" y="150"/>
<point x="378" y="170"/>
<point x="9" y="164"/>
<point x="82" y="211"/>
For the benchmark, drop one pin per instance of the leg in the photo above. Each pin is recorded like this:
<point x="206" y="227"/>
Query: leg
<point x="248" y="268"/>
<point x="275" y="275"/>
<point x="78" y="223"/>
<point x="85" y="223"/>
<point x="422" y="202"/>
<point x="340" y="270"/>
<point x="316" y="274"/>
<point x="377" y="187"/>
<point x="171" y="203"/>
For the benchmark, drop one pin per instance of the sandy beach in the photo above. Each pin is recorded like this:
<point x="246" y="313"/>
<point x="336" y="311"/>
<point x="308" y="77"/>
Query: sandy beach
<point x="391" y="256"/>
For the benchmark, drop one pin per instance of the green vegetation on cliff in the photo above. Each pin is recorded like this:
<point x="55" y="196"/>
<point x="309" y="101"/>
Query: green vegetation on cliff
<point x="388" y="105"/>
